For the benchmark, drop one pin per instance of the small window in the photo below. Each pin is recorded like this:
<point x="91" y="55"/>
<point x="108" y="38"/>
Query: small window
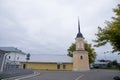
<point x="58" y="66"/>
<point x="64" y="66"/>
<point x="81" y="57"/>
<point x="9" y="57"/>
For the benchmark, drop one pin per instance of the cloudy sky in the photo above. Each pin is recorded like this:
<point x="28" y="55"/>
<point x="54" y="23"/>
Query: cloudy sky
<point x="50" y="26"/>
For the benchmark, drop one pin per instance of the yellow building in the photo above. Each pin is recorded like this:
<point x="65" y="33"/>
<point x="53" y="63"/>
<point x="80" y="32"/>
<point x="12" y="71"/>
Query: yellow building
<point x="49" y="62"/>
<point x="61" y="62"/>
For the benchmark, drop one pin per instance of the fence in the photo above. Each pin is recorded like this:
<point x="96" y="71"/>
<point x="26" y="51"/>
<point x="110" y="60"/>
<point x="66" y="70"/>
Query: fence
<point x="15" y="72"/>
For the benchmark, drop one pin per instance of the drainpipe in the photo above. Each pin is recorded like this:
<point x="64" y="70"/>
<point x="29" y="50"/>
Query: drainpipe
<point x="3" y="62"/>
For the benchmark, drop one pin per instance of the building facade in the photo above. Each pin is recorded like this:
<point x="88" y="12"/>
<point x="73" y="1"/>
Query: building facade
<point x="48" y="62"/>
<point x="10" y="58"/>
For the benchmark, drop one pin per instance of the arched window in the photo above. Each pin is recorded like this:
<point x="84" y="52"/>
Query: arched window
<point x="81" y="57"/>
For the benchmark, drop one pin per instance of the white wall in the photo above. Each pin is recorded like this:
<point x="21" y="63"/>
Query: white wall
<point x="14" y="56"/>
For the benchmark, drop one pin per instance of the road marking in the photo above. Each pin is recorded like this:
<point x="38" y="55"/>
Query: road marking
<point x="79" y="77"/>
<point x="29" y="76"/>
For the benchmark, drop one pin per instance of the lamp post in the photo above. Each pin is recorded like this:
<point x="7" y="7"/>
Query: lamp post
<point x="27" y="57"/>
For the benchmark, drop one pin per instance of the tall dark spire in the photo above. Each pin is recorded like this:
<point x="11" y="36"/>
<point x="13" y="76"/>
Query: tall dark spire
<point x="79" y="34"/>
<point x="78" y="26"/>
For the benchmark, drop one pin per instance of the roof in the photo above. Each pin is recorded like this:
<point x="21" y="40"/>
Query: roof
<point x="2" y="51"/>
<point x="79" y="35"/>
<point x="50" y="58"/>
<point x="11" y="49"/>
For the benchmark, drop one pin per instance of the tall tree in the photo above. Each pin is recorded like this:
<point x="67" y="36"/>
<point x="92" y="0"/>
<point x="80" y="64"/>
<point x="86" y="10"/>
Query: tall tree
<point x="111" y="32"/>
<point x="88" y="47"/>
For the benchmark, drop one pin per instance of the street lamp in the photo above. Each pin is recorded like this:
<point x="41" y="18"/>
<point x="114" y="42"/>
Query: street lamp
<point x="28" y="57"/>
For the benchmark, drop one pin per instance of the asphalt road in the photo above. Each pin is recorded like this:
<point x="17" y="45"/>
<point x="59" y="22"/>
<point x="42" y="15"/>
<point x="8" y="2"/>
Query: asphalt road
<point x="71" y="75"/>
<point x="100" y="75"/>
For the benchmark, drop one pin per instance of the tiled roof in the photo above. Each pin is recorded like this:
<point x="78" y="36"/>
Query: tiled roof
<point x="50" y="58"/>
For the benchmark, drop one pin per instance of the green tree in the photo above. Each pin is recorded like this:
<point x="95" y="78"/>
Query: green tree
<point x="88" y="47"/>
<point x="114" y="63"/>
<point x="110" y="33"/>
<point x="71" y="49"/>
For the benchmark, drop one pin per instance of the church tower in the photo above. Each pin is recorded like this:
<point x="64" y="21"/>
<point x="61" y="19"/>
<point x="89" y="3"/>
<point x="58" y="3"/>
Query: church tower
<point x="80" y="56"/>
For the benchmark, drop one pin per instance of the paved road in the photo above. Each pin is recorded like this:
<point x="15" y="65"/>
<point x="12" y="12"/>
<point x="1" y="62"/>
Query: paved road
<point x="100" y="75"/>
<point x="71" y="75"/>
<point x="56" y="75"/>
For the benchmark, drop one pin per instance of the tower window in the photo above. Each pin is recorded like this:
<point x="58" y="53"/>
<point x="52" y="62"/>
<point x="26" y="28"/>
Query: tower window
<point x="81" y="57"/>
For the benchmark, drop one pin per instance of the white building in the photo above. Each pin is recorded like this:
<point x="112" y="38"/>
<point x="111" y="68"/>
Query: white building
<point x="10" y="57"/>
